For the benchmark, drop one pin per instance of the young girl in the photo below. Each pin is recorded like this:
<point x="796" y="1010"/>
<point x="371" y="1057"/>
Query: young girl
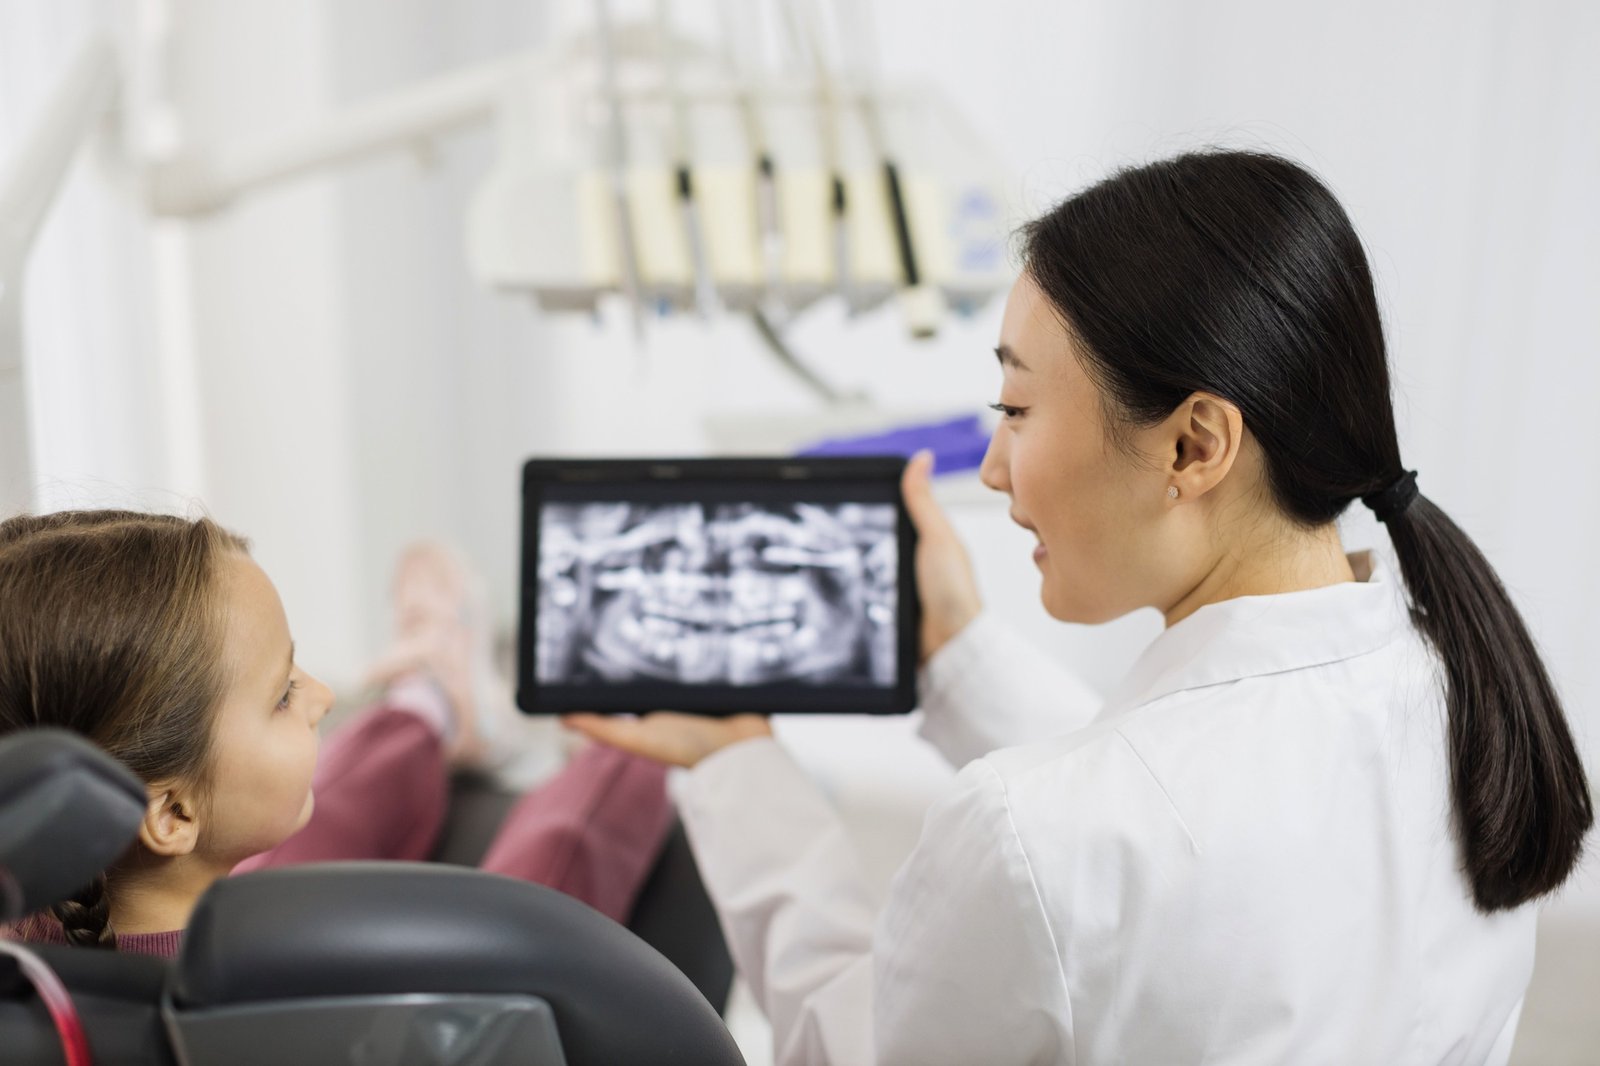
<point x="159" y="639"/>
<point x="1309" y="825"/>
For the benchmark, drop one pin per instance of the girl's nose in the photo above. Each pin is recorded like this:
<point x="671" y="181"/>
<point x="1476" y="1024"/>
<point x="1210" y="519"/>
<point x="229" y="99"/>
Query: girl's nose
<point x="321" y="700"/>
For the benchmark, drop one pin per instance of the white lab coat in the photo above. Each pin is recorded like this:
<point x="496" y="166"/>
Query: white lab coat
<point x="1244" y="858"/>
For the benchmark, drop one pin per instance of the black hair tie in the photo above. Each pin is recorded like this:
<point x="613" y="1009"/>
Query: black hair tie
<point x="1394" y="499"/>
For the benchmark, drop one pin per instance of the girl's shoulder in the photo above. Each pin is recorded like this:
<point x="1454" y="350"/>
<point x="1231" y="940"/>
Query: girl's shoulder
<point x="35" y="929"/>
<point x="44" y="929"/>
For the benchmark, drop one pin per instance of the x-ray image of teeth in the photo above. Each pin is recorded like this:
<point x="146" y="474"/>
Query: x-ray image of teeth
<point x="721" y="594"/>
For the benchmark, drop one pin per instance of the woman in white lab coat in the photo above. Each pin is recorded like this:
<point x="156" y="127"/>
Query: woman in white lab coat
<point x="1308" y="826"/>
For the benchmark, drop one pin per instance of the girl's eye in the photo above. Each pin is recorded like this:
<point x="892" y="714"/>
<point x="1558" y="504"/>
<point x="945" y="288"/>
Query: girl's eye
<point x="1007" y="410"/>
<point x="288" y="696"/>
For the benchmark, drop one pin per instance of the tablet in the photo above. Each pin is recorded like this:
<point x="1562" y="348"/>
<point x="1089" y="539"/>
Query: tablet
<point x="717" y="586"/>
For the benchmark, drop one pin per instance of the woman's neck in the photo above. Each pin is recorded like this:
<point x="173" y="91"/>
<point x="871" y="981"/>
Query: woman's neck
<point x="1279" y="560"/>
<point x="158" y="898"/>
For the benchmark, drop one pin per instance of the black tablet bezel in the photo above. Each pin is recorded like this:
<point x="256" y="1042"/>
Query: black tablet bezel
<point x="830" y="476"/>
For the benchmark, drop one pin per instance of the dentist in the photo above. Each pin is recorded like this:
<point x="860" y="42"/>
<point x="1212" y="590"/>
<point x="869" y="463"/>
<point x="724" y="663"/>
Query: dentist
<point x="1307" y="827"/>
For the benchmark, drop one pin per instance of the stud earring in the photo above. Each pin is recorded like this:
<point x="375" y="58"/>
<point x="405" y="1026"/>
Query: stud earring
<point x="1172" y="492"/>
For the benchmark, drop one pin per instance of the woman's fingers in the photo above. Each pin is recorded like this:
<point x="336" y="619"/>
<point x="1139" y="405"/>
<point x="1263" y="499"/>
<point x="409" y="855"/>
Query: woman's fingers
<point x="945" y="582"/>
<point x="617" y="731"/>
<point x="916" y="486"/>
<point x="668" y="737"/>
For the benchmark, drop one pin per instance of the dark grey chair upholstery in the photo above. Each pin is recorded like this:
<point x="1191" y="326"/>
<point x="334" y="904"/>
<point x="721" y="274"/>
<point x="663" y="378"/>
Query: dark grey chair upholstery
<point x="376" y="963"/>
<point x="118" y="997"/>
<point x="54" y="787"/>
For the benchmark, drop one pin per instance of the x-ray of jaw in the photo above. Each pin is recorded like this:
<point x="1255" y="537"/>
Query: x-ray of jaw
<point x="719" y="594"/>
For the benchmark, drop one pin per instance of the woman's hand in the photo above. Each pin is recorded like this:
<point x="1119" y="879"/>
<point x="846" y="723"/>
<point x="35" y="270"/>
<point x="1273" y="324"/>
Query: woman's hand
<point x="945" y="581"/>
<point x="669" y="737"/>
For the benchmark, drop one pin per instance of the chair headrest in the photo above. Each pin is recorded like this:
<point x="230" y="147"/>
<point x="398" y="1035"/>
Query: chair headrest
<point x="366" y="929"/>
<point x="67" y="811"/>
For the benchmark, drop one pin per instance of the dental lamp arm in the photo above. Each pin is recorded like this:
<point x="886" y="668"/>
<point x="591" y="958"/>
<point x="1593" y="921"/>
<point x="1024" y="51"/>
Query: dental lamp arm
<point x="205" y="178"/>
<point x="39" y="168"/>
<point x="28" y="188"/>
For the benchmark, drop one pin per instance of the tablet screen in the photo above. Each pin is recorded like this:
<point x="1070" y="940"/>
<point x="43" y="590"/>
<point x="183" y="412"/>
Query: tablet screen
<point x="698" y="593"/>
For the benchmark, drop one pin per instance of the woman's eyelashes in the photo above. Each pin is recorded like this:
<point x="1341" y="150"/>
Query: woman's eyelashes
<point x="288" y="695"/>
<point x="1007" y="411"/>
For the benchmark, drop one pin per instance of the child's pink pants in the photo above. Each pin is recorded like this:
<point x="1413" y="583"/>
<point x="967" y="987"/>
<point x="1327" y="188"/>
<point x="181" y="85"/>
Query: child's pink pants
<point x="382" y="784"/>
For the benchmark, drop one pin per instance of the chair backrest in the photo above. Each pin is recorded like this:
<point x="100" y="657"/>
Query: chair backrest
<point x="412" y="962"/>
<point x="118" y="998"/>
<point x="67" y="810"/>
<point x="672" y="912"/>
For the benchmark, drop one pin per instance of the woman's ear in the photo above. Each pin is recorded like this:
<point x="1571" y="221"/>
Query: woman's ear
<point x="1203" y="438"/>
<point x="171" y="826"/>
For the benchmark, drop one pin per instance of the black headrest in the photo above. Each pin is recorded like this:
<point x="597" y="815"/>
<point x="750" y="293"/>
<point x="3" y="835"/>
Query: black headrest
<point x="67" y="811"/>
<point x="365" y="929"/>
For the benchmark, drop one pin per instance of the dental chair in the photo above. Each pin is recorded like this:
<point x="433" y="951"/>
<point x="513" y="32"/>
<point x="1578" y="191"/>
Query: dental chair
<point x="369" y="963"/>
<point x="672" y="914"/>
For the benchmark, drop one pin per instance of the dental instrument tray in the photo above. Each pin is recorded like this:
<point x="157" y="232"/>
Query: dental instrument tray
<point x="717" y="586"/>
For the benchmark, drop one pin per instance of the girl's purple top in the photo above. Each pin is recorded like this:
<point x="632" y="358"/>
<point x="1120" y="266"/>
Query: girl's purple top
<point x="43" y="929"/>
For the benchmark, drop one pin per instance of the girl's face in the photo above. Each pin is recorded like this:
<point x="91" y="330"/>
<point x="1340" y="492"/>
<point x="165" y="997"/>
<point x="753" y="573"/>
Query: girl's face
<point x="1105" y="544"/>
<point x="265" y="747"/>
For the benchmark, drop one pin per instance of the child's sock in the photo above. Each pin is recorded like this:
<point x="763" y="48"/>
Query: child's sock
<point x="422" y="696"/>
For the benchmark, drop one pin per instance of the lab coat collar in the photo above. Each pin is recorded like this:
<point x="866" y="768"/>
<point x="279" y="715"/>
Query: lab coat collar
<point x="1250" y="636"/>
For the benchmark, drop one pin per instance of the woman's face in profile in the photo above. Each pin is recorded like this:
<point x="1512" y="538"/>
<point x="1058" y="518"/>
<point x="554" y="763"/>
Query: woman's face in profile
<point x="1094" y="508"/>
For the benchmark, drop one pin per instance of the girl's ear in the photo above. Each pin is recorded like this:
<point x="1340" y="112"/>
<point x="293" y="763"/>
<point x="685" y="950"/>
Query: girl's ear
<point x="170" y="827"/>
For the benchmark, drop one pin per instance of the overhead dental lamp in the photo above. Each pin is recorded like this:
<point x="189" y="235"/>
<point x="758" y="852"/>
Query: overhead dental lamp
<point x="632" y="161"/>
<point x="637" y="162"/>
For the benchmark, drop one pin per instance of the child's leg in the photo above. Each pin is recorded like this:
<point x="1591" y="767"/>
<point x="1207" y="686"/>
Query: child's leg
<point x="381" y="787"/>
<point x="594" y="831"/>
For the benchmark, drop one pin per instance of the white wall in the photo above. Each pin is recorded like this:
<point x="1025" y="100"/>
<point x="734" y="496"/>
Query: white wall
<point x="269" y="322"/>
<point x="354" y="389"/>
<point x="459" y="385"/>
<point x="1461" y="137"/>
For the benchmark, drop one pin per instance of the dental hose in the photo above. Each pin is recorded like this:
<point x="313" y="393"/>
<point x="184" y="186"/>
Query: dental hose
<point x="57" y="1001"/>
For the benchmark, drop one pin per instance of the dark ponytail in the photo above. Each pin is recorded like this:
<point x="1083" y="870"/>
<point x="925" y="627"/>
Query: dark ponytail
<point x="1521" y="802"/>
<point x="1238" y="274"/>
<point x="86" y="917"/>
